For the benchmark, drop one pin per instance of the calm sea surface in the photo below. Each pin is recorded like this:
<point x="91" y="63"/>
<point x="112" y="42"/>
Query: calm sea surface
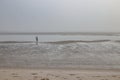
<point x="46" y="38"/>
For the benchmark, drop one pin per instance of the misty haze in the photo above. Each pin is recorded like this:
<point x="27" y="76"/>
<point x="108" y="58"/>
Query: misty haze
<point x="59" y="40"/>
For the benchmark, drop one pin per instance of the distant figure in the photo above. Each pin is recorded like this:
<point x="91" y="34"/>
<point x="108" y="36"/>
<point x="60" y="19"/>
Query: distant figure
<point x="36" y="40"/>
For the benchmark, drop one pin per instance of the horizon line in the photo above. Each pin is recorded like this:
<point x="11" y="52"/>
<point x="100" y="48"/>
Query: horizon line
<point x="59" y="33"/>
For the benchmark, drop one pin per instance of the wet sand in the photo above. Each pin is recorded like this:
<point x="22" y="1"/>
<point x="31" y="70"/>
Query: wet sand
<point x="56" y="74"/>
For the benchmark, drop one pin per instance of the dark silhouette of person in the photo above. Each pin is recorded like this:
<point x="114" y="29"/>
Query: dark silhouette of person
<point x="36" y="40"/>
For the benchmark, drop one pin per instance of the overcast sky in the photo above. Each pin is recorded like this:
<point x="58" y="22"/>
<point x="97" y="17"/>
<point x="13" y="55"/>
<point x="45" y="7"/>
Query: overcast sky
<point x="59" y="15"/>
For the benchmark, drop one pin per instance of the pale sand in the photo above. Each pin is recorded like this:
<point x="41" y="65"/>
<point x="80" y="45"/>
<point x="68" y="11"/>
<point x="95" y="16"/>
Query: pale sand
<point x="57" y="74"/>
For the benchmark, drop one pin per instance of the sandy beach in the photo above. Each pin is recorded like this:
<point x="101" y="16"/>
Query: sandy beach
<point x="56" y="74"/>
<point x="59" y="39"/>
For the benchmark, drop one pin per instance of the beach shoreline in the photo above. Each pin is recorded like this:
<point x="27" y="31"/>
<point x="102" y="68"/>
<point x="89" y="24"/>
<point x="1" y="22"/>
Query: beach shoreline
<point x="57" y="74"/>
<point x="72" y="60"/>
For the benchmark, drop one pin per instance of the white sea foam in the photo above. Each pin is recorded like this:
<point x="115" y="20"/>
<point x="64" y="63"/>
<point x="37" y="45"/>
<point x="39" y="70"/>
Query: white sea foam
<point x="104" y="54"/>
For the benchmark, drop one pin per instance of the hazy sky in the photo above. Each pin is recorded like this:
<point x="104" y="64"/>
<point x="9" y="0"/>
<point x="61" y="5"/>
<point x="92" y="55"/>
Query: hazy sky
<point x="59" y="15"/>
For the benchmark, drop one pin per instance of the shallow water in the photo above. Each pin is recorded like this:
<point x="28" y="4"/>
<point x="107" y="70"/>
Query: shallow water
<point x="45" y="38"/>
<point x="95" y="55"/>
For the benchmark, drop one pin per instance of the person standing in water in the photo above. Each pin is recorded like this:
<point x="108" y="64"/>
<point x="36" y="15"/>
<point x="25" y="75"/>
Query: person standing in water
<point x="36" y="40"/>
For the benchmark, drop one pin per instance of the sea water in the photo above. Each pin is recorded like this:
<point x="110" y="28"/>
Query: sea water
<point x="48" y="38"/>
